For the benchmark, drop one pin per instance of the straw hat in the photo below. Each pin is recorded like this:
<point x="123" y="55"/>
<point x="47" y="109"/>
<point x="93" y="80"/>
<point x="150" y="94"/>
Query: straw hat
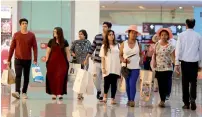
<point x="165" y="29"/>
<point x="134" y="28"/>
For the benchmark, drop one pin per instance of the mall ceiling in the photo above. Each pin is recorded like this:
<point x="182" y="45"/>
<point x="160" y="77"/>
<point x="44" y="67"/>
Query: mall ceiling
<point x="149" y="5"/>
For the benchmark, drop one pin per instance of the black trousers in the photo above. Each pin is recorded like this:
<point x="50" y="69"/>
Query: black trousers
<point x="189" y="81"/>
<point x="111" y="79"/>
<point x="22" y="66"/>
<point x="163" y="78"/>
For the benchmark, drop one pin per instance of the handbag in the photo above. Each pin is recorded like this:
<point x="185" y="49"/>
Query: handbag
<point x="125" y="72"/>
<point x="8" y="77"/>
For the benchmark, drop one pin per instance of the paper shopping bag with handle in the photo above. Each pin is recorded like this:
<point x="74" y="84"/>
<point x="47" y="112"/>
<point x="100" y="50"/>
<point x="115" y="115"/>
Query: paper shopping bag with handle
<point x="81" y="81"/>
<point x="90" y="89"/>
<point x="146" y="84"/>
<point x="11" y="76"/>
<point x="73" y="69"/>
<point x="37" y="74"/>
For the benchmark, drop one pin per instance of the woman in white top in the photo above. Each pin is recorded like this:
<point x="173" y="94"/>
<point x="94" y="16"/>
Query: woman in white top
<point x="163" y="55"/>
<point x="111" y="65"/>
<point x="128" y="48"/>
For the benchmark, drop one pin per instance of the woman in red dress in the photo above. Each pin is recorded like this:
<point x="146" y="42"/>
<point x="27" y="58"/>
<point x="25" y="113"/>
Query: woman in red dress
<point x="57" y="63"/>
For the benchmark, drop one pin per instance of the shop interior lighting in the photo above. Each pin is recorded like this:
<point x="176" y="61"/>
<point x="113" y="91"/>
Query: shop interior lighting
<point x="141" y="7"/>
<point x="180" y="7"/>
<point x="103" y="6"/>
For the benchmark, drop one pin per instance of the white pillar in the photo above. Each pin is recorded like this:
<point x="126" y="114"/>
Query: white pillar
<point x="87" y="16"/>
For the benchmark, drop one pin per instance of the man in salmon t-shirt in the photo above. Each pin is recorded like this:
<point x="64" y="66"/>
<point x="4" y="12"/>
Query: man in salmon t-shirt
<point x="23" y="42"/>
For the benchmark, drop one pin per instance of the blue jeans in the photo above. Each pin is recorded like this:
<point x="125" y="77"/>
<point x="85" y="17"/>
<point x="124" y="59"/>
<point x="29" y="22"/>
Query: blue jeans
<point x="131" y="84"/>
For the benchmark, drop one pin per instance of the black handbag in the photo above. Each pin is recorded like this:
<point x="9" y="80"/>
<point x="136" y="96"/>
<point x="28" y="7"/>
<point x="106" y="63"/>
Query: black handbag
<point x="125" y="72"/>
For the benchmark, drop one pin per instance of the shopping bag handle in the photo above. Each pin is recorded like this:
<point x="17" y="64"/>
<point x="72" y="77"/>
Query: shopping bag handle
<point x="35" y="65"/>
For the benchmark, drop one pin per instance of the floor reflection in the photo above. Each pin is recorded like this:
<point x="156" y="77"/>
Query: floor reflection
<point x="41" y="105"/>
<point x="56" y="109"/>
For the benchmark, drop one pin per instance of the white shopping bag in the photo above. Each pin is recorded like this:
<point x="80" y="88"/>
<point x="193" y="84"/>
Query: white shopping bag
<point x="4" y="78"/>
<point x="90" y="86"/>
<point x="73" y="69"/>
<point x="146" y="77"/>
<point x="81" y="81"/>
<point x="37" y="74"/>
<point x="122" y="85"/>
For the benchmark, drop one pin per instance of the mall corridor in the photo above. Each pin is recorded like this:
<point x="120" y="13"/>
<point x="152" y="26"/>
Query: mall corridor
<point x="40" y="105"/>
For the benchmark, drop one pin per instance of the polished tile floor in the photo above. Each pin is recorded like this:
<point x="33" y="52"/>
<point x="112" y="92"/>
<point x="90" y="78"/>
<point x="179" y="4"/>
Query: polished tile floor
<point x="40" y="105"/>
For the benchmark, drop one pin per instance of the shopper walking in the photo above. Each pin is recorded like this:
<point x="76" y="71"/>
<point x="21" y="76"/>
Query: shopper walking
<point x="57" y="63"/>
<point x="22" y="43"/>
<point x="189" y="53"/>
<point x="163" y="56"/>
<point x="110" y="67"/>
<point x="128" y="48"/>
<point x="96" y="46"/>
<point x="79" y="50"/>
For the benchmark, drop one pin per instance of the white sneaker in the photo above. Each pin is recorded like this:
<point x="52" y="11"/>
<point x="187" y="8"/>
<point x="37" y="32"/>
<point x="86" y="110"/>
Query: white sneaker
<point x="16" y="95"/>
<point x="24" y="95"/>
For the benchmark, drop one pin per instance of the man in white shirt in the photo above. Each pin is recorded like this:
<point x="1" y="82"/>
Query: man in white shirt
<point x="189" y="53"/>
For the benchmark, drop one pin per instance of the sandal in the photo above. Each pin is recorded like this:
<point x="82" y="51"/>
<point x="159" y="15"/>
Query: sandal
<point x="113" y="102"/>
<point x="54" y="97"/>
<point x="162" y="104"/>
<point x="104" y="100"/>
<point x="80" y="97"/>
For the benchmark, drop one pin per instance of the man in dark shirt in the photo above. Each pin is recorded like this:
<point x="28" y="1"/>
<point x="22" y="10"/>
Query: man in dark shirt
<point x="22" y="43"/>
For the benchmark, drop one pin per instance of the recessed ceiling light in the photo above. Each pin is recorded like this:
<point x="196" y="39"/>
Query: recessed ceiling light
<point x="103" y="6"/>
<point x="180" y="7"/>
<point x="141" y="7"/>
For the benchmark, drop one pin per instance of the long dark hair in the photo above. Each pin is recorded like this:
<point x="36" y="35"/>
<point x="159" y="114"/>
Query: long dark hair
<point x="61" y="38"/>
<point x="84" y="33"/>
<point x="106" y="41"/>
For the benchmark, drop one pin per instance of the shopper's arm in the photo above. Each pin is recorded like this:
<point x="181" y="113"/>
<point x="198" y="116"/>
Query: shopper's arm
<point x="35" y="49"/>
<point x="121" y="53"/>
<point x="177" y="51"/>
<point x="67" y="53"/>
<point x="102" y="55"/>
<point x="140" y="53"/>
<point x="173" y="56"/>
<point x="91" y="51"/>
<point x="72" y="49"/>
<point x="200" y="52"/>
<point x="67" y="50"/>
<point x="48" y="50"/>
<point x="12" y="48"/>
